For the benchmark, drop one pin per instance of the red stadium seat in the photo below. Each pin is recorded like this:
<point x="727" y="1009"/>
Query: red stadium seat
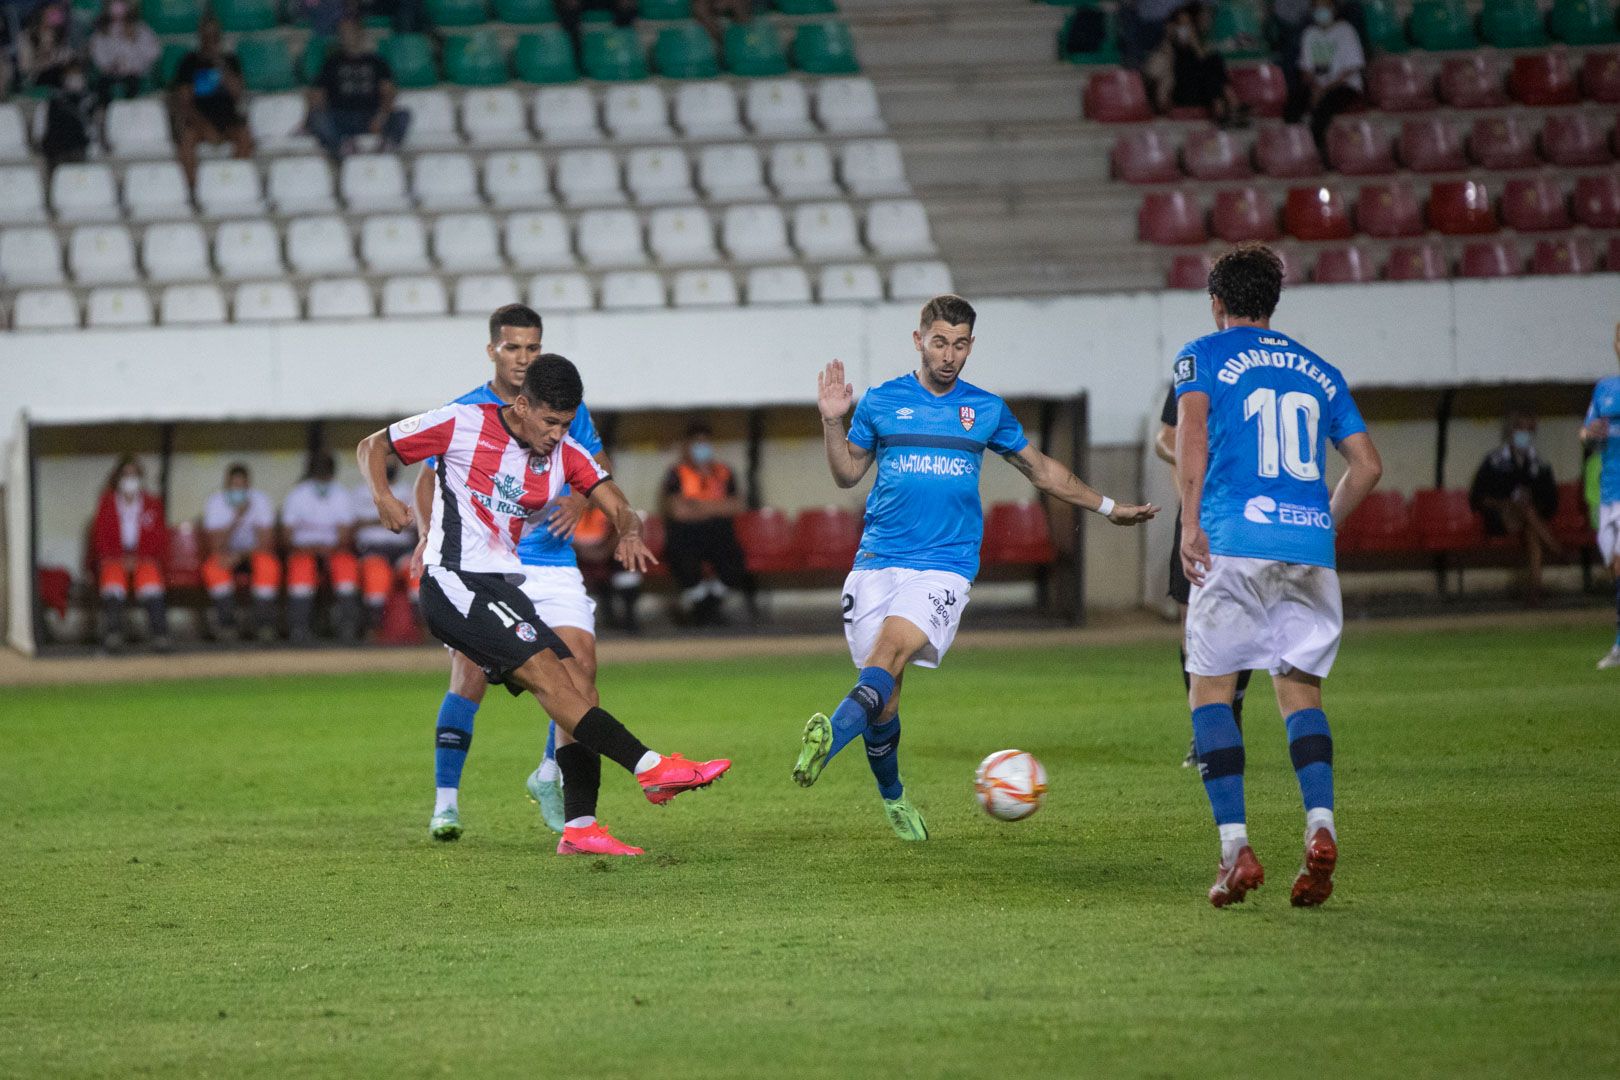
<point x="1287" y="151"/>
<point x="1381" y="525"/>
<point x="1017" y="534"/>
<point x="1211" y="154"/>
<point x="55" y="587"/>
<point x="1416" y="262"/>
<point x="1389" y="210"/>
<point x="1431" y="145"/>
<point x="1573" y="140"/>
<point x="1600" y="77"/>
<point x="1188" y="272"/>
<point x="766" y="537"/>
<point x="1534" y="204"/>
<point x="1317" y="213"/>
<point x="1294" y="266"/>
<point x="1344" y="266"/>
<point x="827" y="538"/>
<point x="1259" y="86"/>
<point x="1445" y="522"/>
<point x="1597" y="201"/>
<point x="1244" y="213"/>
<point x="1569" y="255"/>
<point x="1170" y="217"/>
<point x="399" y="624"/>
<point x="1145" y="157"/>
<point x="1461" y="208"/>
<point x="1400" y="84"/>
<point x="185" y="556"/>
<point x="1571" y="525"/>
<point x="1490" y="259"/>
<point x="1359" y="147"/>
<point x="1471" y="81"/>
<point x="1116" y="96"/>
<point x="1502" y="142"/>
<point x="1543" y="79"/>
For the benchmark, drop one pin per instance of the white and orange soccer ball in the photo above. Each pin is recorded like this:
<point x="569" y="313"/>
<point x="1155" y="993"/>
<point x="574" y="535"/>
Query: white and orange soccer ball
<point x="1010" y="784"/>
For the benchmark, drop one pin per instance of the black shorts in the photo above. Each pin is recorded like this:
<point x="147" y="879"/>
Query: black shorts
<point x="1180" y="588"/>
<point x="487" y="619"/>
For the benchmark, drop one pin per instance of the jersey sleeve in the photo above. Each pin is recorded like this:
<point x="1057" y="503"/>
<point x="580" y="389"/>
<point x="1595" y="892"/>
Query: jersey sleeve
<point x="1191" y="371"/>
<point x="1168" y="414"/>
<point x="424" y="435"/>
<point x="1344" y="419"/>
<point x="861" y="431"/>
<point x="583" y="431"/>
<point x="1008" y="437"/>
<point x="580" y="469"/>
<point x="1592" y="410"/>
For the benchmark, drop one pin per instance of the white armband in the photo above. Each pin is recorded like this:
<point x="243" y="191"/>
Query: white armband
<point x="1107" y="506"/>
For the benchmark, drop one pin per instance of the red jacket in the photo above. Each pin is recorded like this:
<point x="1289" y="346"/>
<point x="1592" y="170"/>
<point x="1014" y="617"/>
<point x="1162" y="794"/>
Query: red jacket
<point x="106" y="540"/>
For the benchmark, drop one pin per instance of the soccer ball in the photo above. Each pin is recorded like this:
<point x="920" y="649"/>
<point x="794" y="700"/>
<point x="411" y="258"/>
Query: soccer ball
<point x="1010" y="784"/>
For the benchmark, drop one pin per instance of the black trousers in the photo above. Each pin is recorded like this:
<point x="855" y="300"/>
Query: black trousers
<point x="690" y="544"/>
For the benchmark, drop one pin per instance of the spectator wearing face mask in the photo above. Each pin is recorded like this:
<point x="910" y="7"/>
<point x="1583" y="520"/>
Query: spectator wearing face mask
<point x="317" y="524"/>
<point x="385" y="555"/>
<point x="129" y="544"/>
<point x="1331" y="62"/>
<point x="45" y="46"/>
<point x="700" y="505"/>
<point x="1515" y="493"/>
<point x="1185" y="71"/>
<point x="123" y="51"/>
<point x="240" y="525"/>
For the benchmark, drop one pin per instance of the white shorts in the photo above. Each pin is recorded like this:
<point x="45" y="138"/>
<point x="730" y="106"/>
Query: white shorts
<point x="1609" y="530"/>
<point x="931" y="600"/>
<point x="1253" y="614"/>
<point x="559" y="597"/>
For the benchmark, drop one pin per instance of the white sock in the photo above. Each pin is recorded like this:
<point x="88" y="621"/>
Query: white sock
<point x="549" y="771"/>
<point x="648" y="760"/>
<point x="1319" y="818"/>
<point x="579" y="822"/>
<point x="1234" y="838"/>
<point x="444" y="798"/>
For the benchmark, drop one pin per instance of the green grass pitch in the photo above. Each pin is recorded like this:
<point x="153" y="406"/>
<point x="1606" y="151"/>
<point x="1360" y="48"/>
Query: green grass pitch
<point x="234" y="879"/>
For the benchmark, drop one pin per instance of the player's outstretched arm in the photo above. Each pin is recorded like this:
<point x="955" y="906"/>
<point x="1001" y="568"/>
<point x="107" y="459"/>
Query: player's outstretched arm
<point x="1192" y="461"/>
<point x="834" y="396"/>
<point x="1366" y="467"/>
<point x="632" y="552"/>
<point x="1053" y="479"/>
<point x="373" y="454"/>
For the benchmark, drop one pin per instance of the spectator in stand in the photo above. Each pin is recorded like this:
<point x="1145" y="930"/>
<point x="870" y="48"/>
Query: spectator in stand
<point x="570" y="13"/>
<point x="385" y="555"/>
<point x="700" y="506"/>
<point x="70" y="113"/>
<point x="317" y="524"/>
<point x="354" y="95"/>
<point x="206" y="100"/>
<point x="45" y="47"/>
<point x="1289" y="18"/>
<point x="708" y="14"/>
<point x="324" y="16"/>
<point x="1186" y="72"/>
<point x="1331" y="62"/>
<point x="123" y="50"/>
<point x="240" y="523"/>
<point x="129" y="544"/>
<point x="1141" y="28"/>
<point x="1514" y="491"/>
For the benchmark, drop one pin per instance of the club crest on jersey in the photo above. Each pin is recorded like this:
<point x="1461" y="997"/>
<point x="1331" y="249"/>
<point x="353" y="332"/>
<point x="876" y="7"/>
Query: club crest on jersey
<point x="968" y="415"/>
<point x="539" y="465"/>
<point x="526" y="632"/>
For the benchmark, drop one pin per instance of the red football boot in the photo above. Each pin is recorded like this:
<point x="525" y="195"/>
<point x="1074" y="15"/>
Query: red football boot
<point x="674" y="774"/>
<point x="1234" y="880"/>
<point x="1315" y="881"/>
<point x="593" y="839"/>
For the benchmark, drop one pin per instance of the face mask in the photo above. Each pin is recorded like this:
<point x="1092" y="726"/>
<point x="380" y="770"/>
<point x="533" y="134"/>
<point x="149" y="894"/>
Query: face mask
<point x="129" y="486"/>
<point x="1184" y="34"/>
<point x="55" y="17"/>
<point x="1323" y="16"/>
<point x="702" y="453"/>
<point x="322" y="487"/>
<point x="74" y="83"/>
<point x="1523" y="440"/>
<point x="236" y="496"/>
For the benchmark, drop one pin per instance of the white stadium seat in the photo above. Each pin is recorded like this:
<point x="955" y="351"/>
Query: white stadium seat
<point x="636" y="112"/>
<point x="320" y="245"/>
<point x="610" y="238"/>
<point x="22" y="195"/>
<point x="493" y="116"/>
<point x="13" y="132"/>
<point x="229" y="187"/>
<point x="466" y="242"/>
<point x="373" y="182"/>
<point x="45" y="309"/>
<point x="156" y="191"/>
<point x="732" y="173"/>
<point x="102" y="254"/>
<point x="433" y="119"/>
<point x="250" y="248"/>
<point x="826" y="230"/>
<point x="192" y="305"/>
<point x="561" y="292"/>
<point x="633" y="289"/>
<point x="779" y="285"/>
<point x="708" y="110"/>
<point x="682" y="236"/>
<point x="139" y="128"/>
<point x="850" y="282"/>
<point x="919" y="280"/>
<point x="779" y="107"/>
<point x="803" y="170"/>
<point x="659" y="175"/>
<point x="265" y="301"/>
<point x="538" y="240"/>
<point x="516" y="180"/>
<point x="302" y="185"/>
<point x="414" y="296"/>
<point x="898" y="227"/>
<point x="445" y="181"/>
<point x="872" y="168"/>
<point x="175" y="251"/>
<point x="84" y="193"/>
<point x="755" y="232"/>
<point x="118" y="305"/>
<point x="705" y="288"/>
<point x="566" y="114"/>
<point x="30" y="255"/>
<point x="848" y="106"/>
<point x="277" y="122"/>
<point x="341" y="298"/>
<point x="391" y="243"/>
<point x="480" y="294"/>
<point x="588" y="178"/>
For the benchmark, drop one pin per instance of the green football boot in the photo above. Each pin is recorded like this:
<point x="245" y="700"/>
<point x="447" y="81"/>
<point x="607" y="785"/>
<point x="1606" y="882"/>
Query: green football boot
<point x="548" y="793"/>
<point x="813" y="754"/>
<point x="905" y="819"/>
<point x="446" y="825"/>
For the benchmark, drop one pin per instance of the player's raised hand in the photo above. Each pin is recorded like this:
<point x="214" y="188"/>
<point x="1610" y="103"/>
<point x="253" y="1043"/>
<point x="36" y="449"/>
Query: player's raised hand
<point x="1194" y="552"/>
<point x="1132" y="515"/>
<point x="834" y="396"/>
<point x="394" y="515"/>
<point x="633" y="554"/>
<point x="565" y="514"/>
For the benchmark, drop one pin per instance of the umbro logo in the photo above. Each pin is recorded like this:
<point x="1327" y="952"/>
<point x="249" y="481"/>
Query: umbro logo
<point x="904" y="414"/>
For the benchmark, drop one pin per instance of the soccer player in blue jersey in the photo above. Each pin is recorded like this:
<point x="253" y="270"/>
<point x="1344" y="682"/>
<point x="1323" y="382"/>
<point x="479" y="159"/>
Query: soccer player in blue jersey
<point x="927" y="433"/>
<point x="1255" y="409"/>
<point x="552" y="582"/>
<point x="1602" y="430"/>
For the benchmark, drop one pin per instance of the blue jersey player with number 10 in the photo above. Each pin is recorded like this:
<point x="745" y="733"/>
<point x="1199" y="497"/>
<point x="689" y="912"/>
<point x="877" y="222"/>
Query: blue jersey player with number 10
<point x="1602" y="432"/>
<point x="927" y="432"/>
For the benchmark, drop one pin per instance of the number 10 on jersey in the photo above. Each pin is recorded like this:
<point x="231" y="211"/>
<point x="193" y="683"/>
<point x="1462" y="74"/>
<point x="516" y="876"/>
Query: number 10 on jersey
<point x="1288" y="427"/>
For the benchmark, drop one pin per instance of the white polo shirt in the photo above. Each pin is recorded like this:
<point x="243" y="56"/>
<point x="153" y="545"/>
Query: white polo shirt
<point x="313" y="520"/>
<point x="220" y="513"/>
<point x="371" y="534"/>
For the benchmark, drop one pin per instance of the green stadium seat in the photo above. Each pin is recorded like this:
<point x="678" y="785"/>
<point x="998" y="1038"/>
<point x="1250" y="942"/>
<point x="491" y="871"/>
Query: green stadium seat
<point x="525" y="12"/>
<point x="475" y="59"/>
<point x="1439" y="25"/>
<point x="753" y="48"/>
<point x="613" y="54"/>
<point x="1107" y="54"/>
<point x="267" y="64"/>
<point x="1238" y="30"/>
<point x="825" y="48"/>
<point x="1512" y="24"/>
<point x="314" y="58"/>
<point x="806" y="7"/>
<point x="546" y="56"/>
<point x="239" y="16"/>
<point x="457" y="12"/>
<point x="598" y="16"/>
<point x="685" y="51"/>
<point x="1385" y="31"/>
<point x="411" y="58"/>
<point x="173" y="16"/>
<point x="666" y="9"/>
<point x="1584" y="22"/>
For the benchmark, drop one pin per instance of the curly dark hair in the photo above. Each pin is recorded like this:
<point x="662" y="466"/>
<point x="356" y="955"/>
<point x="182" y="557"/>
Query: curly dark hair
<point x="554" y="381"/>
<point x="1248" y="280"/>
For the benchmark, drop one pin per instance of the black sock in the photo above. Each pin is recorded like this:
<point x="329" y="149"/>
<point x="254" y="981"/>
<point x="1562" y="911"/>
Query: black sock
<point x="1186" y="679"/>
<point x="598" y="731"/>
<point x="582" y="779"/>
<point x="1237" y="700"/>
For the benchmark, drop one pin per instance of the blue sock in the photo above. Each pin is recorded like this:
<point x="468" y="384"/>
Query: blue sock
<point x="1220" y="761"/>
<point x="1310" y="745"/>
<point x="453" y="739"/>
<point x="551" y="742"/>
<point x="864" y="704"/>
<point x="883" y="754"/>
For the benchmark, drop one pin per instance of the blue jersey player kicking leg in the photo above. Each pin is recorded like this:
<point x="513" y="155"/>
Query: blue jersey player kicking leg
<point x="927" y="432"/>
<point x="1602" y="432"/>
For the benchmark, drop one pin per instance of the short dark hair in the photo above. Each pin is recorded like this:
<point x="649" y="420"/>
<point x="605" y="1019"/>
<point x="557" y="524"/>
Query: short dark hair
<point x="237" y="468"/>
<point x="948" y="308"/>
<point x="553" y="380"/>
<point x="1248" y="281"/>
<point x="699" y="427"/>
<point x="321" y="464"/>
<point x="520" y="315"/>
